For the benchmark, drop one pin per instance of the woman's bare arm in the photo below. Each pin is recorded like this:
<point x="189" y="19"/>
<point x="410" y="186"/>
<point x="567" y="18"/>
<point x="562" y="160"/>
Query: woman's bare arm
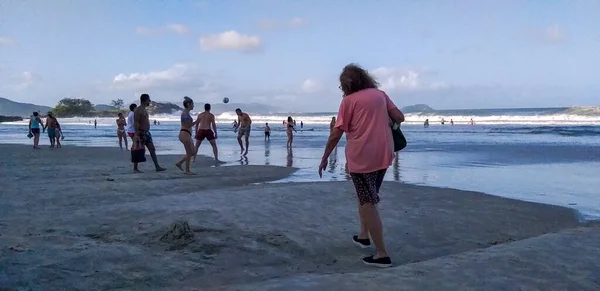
<point x="396" y="115"/>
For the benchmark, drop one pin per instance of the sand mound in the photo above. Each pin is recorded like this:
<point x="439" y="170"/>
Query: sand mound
<point x="178" y="231"/>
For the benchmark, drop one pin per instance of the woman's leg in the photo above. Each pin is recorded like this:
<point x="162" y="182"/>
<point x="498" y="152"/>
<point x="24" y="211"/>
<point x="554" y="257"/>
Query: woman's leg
<point x="291" y="138"/>
<point x="124" y="134"/>
<point x="120" y="139"/>
<point x="36" y="140"/>
<point x="189" y="153"/>
<point x="184" y="141"/>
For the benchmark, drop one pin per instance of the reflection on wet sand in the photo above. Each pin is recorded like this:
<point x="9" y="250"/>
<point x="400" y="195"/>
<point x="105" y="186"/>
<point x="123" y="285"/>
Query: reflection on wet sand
<point x="267" y="153"/>
<point x="243" y="160"/>
<point x="333" y="161"/>
<point x="290" y="157"/>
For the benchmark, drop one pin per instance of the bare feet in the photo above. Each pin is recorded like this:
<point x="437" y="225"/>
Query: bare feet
<point x="179" y="166"/>
<point x="136" y="171"/>
<point x="159" y="169"/>
<point x="190" y="173"/>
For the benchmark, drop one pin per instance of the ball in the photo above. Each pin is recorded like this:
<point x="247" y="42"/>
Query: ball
<point x="225" y="100"/>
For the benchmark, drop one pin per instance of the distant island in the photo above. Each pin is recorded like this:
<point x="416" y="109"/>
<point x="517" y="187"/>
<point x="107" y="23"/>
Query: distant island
<point x="79" y="107"/>
<point x="10" y="118"/>
<point x="418" y="108"/>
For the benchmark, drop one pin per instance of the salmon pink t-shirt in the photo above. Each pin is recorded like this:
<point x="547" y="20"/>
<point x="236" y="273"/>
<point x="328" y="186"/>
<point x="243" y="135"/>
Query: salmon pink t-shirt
<point x="364" y="117"/>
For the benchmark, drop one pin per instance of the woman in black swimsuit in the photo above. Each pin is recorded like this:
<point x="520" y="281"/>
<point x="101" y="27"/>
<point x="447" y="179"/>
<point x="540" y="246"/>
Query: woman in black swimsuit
<point x="288" y="130"/>
<point x="185" y="135"/>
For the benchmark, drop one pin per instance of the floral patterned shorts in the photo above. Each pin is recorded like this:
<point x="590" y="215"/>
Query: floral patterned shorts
<point x="367" y="186"/>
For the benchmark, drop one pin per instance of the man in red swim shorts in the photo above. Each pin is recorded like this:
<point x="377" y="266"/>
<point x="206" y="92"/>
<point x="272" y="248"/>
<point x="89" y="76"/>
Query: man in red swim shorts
<point x="206" y="129"/>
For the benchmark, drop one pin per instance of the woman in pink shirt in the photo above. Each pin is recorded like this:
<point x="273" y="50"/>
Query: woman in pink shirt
<point x="364" y="116"/>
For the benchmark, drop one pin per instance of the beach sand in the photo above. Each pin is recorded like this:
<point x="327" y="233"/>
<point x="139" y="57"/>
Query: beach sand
<point x="77" y="218"/>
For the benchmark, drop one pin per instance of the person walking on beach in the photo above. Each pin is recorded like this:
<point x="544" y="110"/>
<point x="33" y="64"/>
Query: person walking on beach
<point x="95" y="123"/>
<point x="288" y="130"/>
<point x="51" y="128"/>
<point x="35" y="122"/>
<point x="364" y="115"/>
<point x="121" y="131"/>
<point x="207" y="129"/>
<point x="130" y="128"/>
<point x="267" y="132"/>
<point x="142" y="136"/>
<point x="243" y="129"/>
<point x="185" y="135"/>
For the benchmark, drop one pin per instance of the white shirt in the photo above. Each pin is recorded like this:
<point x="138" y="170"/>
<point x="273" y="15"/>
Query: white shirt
<point x="130" y="128"/>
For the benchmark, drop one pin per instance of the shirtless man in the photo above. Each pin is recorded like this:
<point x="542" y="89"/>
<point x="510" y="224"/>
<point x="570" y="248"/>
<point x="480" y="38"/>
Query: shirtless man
<point x="141" y="124"/>
<point x="206" y="128"/>
<point x="52" y="126"/>
<point x="243" y="129"/>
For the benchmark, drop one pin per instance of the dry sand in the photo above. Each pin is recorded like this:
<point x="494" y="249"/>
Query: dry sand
<point x="77" y="218"/>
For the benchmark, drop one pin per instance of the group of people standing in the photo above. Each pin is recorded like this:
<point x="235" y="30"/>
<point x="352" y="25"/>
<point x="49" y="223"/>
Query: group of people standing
<point x="191" y="135"/>
<point x="52" y="127"/>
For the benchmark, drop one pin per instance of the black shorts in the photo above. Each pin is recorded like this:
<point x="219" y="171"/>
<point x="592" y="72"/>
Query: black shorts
<point x="367" y="186"/>
<point x="35" y="130"/>
<point x="267" y="134"/>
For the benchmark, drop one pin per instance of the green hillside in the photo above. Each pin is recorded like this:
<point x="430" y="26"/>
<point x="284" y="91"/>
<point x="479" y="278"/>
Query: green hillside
<point x="12" y="108"/>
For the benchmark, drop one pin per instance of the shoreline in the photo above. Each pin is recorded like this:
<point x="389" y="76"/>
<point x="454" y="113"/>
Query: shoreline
<point x="204" y="160"/>
<point x="79" y="219"/>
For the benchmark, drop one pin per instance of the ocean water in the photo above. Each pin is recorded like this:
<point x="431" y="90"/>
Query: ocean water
<point x="542" y="155"/>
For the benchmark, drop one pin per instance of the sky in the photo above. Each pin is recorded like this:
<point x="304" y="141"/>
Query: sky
<point x="449" y="54"/>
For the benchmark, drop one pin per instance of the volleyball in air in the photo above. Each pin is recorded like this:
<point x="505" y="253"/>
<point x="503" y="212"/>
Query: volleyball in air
<point x="225" y="100"/>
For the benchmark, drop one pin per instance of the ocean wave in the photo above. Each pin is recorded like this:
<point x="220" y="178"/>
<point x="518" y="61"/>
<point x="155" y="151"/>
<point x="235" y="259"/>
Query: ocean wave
<point x="557" y="130"/>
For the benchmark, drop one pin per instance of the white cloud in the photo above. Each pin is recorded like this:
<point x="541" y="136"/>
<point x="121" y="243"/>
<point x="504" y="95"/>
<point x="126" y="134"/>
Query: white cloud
<point x="175" y="28"/>
<point x="174" y="75"/>
<point x="5" y="41"/>
<point x="25" y="80"/>
<point x="230" y="40"/>
<point x="312" y="86"/>
<point x="394" y="79"/>
<point x="295" y="22"/>
<point x="554" y="34"/>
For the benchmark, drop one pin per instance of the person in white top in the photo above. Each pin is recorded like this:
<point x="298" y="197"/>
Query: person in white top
<point x="130" y="128"/>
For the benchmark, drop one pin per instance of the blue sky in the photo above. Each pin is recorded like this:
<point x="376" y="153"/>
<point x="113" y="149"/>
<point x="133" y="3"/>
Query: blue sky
<point x="448" y="54"/>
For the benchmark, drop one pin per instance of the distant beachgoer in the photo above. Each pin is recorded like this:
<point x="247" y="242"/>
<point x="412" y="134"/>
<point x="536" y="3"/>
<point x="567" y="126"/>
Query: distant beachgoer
<point x="288" y="131"/>
<point x="364" y="115"/>
<point x="284" y="123"/>
<point x="267" y="132"/>
<point x="443" y="121"/>
<point x="121" y="131"/>
<point x="207" y="129"/>
<point x="293" y="122"/>
<point x="301" y="124"/>
<point x="243" y="129"/>
<point x="154" y="121"/>
<point x="51" y="126"/>
<point x="130" y="125"/>
<point x="235" y="124"/>
<point x="472" y="122"/>
<point x="426" y="124"/>
<point x="142" y="136"/>
<point x="185" y="135"/>
<point x="451" y="121"/>
<point x="59" y="135"/>
<point x="332" y="123"/>
<point x="95" y="123"/>
<point x="35" y="122"/>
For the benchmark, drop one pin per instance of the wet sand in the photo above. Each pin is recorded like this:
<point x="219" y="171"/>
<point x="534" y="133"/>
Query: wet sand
<point x="77" y="218"/>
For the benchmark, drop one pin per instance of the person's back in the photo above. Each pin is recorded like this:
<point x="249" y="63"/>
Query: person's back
<point x="34" y="122"/>
<point x="205" y="120"/>
<point x="365" y="119"/>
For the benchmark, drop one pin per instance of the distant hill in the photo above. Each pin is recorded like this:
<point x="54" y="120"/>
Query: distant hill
<point x="417" y="108"/>
<point x="12" y="108"/>
<point x="104" y="107"/>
